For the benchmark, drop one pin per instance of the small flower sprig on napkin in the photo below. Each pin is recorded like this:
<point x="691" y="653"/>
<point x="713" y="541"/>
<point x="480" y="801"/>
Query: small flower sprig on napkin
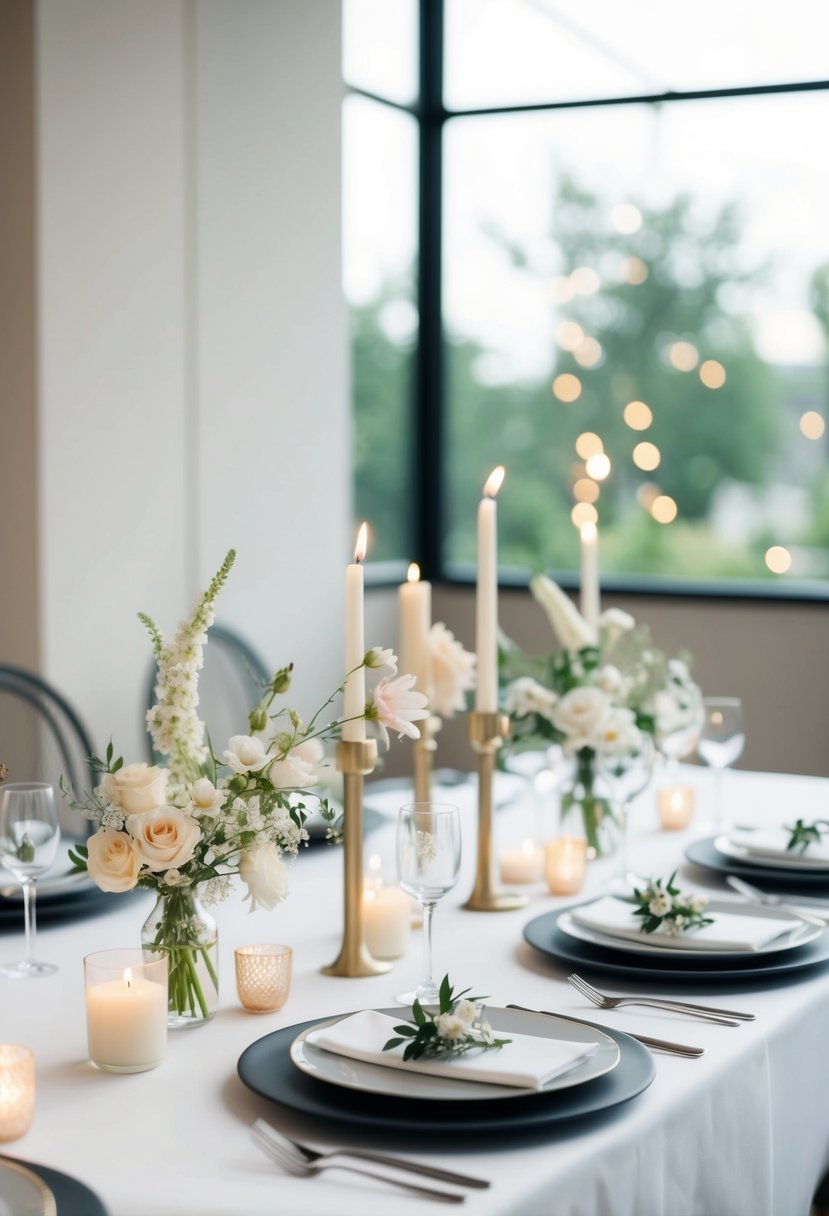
<point x="803" y="834"/>
<point x="663" y="906"/>
<point x="457" y="1027"/>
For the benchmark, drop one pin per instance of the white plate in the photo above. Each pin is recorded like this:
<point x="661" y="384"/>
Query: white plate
<point x="58" y="879"/>
<point x="22" y="1193"/>
<point x="392" y="1082"/>
<point x="791" y="941"/>
<point x="768" y="860"/>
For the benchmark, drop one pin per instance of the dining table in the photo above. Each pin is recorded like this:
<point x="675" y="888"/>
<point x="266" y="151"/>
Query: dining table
<point x="743" y="1130"/>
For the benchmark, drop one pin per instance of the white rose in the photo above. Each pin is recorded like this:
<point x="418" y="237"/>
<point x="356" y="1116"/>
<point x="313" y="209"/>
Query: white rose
<point x="165" y="838"/>
<point x="569" y="626"/>
<point x="613" y="623"/>
<point x="453" y="671"/>
<point x="299" y="769"/>
<point x="266" y="875"/>
<point x="617" y="733"/>
<point x="467" y="1011"/>
<point x="526" y="696"/>
<point x="113" y="862"/>
<point x="245" y="754"/>
<point x="579" y="715"/>
<point x="451" y="1027"/>
<point x="206" y="799"/>
<point x="135" y="788"/>
<point x="609" y="678"/>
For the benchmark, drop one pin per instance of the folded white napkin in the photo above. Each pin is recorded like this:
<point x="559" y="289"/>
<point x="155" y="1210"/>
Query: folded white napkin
<point x="730" y="931"/>
<point x="771" y="843"/>
<point x="525" y="1061"/>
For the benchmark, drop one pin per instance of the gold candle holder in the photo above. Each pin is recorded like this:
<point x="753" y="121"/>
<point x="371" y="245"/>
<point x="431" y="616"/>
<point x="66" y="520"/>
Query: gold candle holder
<point x="423" y="749"/>
<point x="487" y="732"/>
<point x="355" y="760"/>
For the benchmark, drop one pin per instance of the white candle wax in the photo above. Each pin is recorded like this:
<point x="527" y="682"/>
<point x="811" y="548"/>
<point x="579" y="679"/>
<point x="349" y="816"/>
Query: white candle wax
<point x="522" y="865"/>
<point x="126" y="1024"/>
<point x="355" y="648"/>
<point x="676" y="806"/>
<point x="387" y="919"/>
<point x="486" y="599"/>
<point x="414" y="600"/>
<point x="590" y="603"/>
<point x="565" y="863"/>
<point x="17" y="1091"/>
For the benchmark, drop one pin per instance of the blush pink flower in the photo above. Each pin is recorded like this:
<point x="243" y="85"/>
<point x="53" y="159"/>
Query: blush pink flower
<point x="393" y="705"/>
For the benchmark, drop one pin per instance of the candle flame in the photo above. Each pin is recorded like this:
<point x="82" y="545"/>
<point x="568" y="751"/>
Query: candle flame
<point x="494" y="481"/>
<point x="128" y="976"/>
<point x="528" y="847"/>
<point x="362" y="543"/>
<point x="413" y="573"/>
<point x="589" y="532"/>
<point x="375" y="861"/>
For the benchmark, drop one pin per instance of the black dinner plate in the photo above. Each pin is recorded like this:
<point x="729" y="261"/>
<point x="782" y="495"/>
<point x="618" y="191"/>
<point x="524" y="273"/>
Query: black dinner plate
<point x="704" y="853"/>
<point x="72" y="1197"/>
<point x="544" y="935"/>
<point x="266" y="1068"/>
<point x="87" y="901"/>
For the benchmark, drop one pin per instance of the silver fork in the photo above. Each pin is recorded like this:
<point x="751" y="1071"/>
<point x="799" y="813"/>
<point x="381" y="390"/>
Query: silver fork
<point x="399" y="1163"/>
<point x="722" y="1017"/>
<point x="292" y="1163"/>
<point x="665" y="1045"/>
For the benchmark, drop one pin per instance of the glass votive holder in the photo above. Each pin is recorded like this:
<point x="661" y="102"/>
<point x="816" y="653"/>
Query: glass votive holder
<point x="17" y="1090"/>
<point x="523" y="865"/>
<point x="676" y="806"/>
<point x="565" y="864"/>
<point x="126" y="1009"/>
<point x="263" y="977"/>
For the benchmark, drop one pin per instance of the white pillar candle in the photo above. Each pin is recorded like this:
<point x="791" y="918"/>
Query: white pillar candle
<point x="355" y="646"/>
<point x="590" y="576"/>
<point x="414" y="599"/>
<point x="126" y="1017"/>
<point x="486" y="599"/>
<point x="17" y="1090"/>
<point x="387" y="920"/>
<point x="522" y="865"/>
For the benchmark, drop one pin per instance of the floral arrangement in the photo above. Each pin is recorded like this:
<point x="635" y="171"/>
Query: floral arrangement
<point x="191" y="826"/>
<point x="804" y="834"/>
<point x="662" y="906"/>
<point x="453" y="672"/>
<point x="596" y="695"/>
<point x="457" y="1028"/>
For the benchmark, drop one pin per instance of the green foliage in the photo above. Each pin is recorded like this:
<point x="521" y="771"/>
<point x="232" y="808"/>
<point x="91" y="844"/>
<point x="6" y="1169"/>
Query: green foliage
<point x="426" y="1038"/>
<point x="804" y="834"/>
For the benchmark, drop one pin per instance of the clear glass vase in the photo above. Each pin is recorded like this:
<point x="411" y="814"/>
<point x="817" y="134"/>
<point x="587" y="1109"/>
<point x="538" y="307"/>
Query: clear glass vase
<point x="179" y="927"/>
<point x="584" y="811"/>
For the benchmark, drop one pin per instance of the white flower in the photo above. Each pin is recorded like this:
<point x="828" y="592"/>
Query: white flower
<point x="696" y="903"/>
<point x="266" y="875"/>
<point x="245" y="754"/>
<point x="299" y="768"/>
<point x="617" y="733"/>
<point x="609" y="678"/>
<point x="135" y="788"/>
<point x="174" y="878"/>
<point x="451" y="1027"/>
<point x="393" y="705"/>
<point x="205" y="798"/>
<point x="526" y="696"/>
<point x="453" y="671"/>
<point x="467" y="1011"/>
<point x="579" y="715"/>
<point x="661" y="904"/>
<point x="165" y="838"/>
<point x="675" y="925"/>
<point x="570" y="627"/>
<point x="113" y="862"/>
<point x="613" y="622"/>
<point x="379" y="657"/>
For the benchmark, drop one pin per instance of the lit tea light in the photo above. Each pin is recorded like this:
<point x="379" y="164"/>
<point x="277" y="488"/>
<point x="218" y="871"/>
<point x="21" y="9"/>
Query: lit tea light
<point x="126" y="1009"/>
<point x="522" y="865"/>
<point x="676" y="806"/>
<point x="565" y="864"/>
<point x="17" y="1090"/>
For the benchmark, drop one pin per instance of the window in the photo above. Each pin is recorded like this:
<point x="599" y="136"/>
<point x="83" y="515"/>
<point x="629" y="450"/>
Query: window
<point x="633" y="276"/>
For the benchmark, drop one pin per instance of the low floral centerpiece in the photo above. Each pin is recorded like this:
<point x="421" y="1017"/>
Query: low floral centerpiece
<point x="457" y="1027"/>
<point x="185" y="829"/>
<point x="663" y="907"/>
<point x="595" y="697"/>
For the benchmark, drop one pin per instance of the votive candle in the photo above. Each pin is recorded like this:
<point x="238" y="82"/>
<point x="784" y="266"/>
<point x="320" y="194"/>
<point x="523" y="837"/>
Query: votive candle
<point x="565" y="864"/>
<point x="17" y="1090"/>
<point x="126" y="1009"/>
<point x="387" y="921"/>
<point x="676" y="806"/>
<point x="522" y="865"/>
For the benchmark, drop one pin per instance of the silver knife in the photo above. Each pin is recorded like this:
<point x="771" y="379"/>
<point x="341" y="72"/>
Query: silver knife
<point x="756" y="896"/>
<point x="673" y="1049"/>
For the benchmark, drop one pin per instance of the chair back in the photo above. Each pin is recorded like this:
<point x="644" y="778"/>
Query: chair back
<point x="42" y="738"/>
<point x="231" y="684"/>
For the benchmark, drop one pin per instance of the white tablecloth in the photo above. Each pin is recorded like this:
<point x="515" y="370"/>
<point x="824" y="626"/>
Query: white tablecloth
<point x="744" y="1130"/>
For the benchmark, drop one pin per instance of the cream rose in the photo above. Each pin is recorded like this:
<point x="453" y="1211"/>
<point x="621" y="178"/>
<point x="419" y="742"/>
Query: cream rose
<point x="617" y="733"/>
<point x="453" y="671"/>
<point x="300" y="767"/>
<point x="579" y="716"/>
<point x="266" y="875"/>
<point x="135" y="788"/>
<point x="165" y="838"/>
<point x="245" y="754"/>
<point x="113" y="862"/>
<point x="206" y="799"/>
<point x="526" y="696"/>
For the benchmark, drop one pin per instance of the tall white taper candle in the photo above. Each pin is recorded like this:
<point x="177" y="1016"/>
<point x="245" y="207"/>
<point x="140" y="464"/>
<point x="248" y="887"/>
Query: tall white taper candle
<point x="486" y="600"/>
<point x="590" y="577"/>
<point x="415" y="609"/>
<point x="355" y="645"/>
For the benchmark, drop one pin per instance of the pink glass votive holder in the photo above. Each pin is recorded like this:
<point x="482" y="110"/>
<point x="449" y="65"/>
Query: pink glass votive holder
<point x="263" y="977"/>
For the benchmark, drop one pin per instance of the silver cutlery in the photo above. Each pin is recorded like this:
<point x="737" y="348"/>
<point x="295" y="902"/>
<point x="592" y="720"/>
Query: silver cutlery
<point x="400" y="1163"/>
<point x="665" y="1045"/>
<point x="293" y="1163"/>
<point x="707" y="1012"/>
<point x="755" y="896"/>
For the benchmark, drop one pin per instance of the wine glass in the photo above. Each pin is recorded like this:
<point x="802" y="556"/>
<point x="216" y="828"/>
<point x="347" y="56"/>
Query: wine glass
<point x="626" y="769"/>
<point x="428" y="863"/>
<point x="721" y="743"/>
<point x="29" y="838"/>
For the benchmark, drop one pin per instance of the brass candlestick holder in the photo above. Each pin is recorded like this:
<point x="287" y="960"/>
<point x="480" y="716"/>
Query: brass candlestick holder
<point x="355" y="760"/>
<point x="423" y="749"/>
<point x="487" y="732"/>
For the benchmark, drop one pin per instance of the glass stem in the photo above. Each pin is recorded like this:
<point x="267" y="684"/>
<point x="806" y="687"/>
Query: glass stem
<point x="426" y="975"/>
<point x="718" y="810"/>
<point x="29" y="918"/>
<point x="620" y="811"/>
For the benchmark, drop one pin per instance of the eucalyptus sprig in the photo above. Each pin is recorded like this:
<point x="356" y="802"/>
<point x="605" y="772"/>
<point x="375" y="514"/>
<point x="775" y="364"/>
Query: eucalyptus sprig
<point x="663" y="906"/>
<point x="803" y="834"/>
<point x="457" y="1028"/>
